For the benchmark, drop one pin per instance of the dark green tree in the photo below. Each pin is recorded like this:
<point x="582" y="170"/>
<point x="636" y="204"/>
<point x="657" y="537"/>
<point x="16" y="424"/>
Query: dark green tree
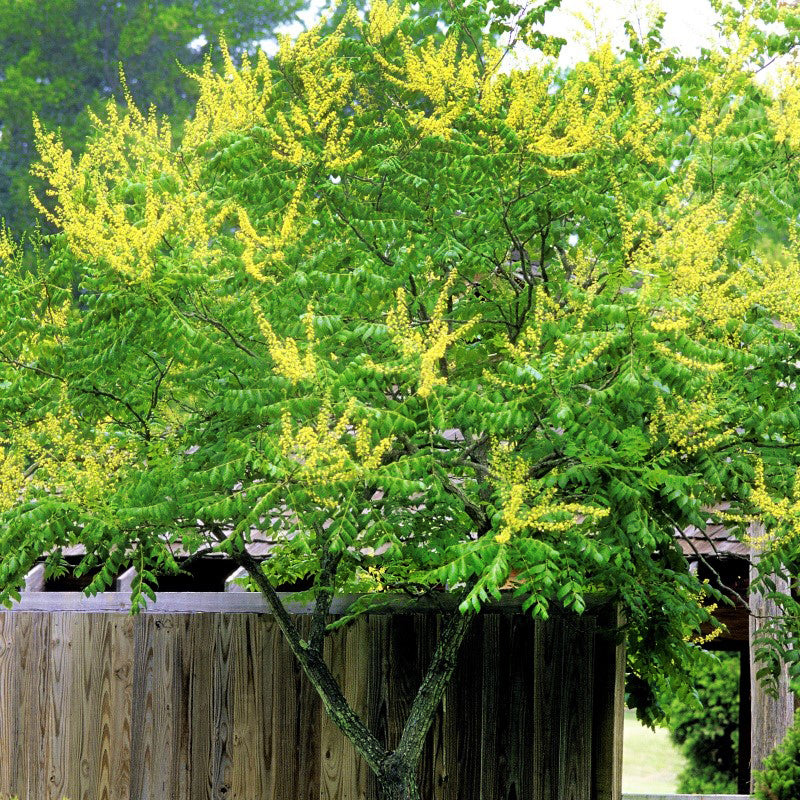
<point x="780" y="778"/>
<point x="707" y="730"/>
<point x="58" y="57"/>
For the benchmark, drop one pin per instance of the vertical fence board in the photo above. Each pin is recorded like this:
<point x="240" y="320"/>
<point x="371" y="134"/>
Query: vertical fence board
<point x="31" y="744"/>
<point x="520" y="733"/>
<point x="199" y="667"/>
<point x="575" y="756"/>
<point x="9" y="701"/>
<point x="91" y="652"/>
<point x="309" y="710"/>
<point x="59" y="705"/>
<point x="250" y="770"/>
<point x="344" y="773"/>
<point x="491" y="705"/>
<point x="142" y="756"/>
<point x="466" y="687"/>
<point x="549" y="649"/>
<point x="223" y="710"/>
<point x="377" y="712"/>
<point x="442" y="756"/>
<point x="121" y="696"/>
<point x="609" y="704"/>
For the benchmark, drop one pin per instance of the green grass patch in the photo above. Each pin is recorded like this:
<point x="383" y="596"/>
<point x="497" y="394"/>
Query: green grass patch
<point x="650" y="761"/>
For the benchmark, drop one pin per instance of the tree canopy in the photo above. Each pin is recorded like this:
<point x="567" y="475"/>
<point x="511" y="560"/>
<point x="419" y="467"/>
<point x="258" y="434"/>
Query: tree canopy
<point x="431" y="318"/>
<point x="60" y="57"/>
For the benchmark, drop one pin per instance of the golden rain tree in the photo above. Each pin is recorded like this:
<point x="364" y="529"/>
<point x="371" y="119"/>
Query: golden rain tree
<point x="437" y="319"/>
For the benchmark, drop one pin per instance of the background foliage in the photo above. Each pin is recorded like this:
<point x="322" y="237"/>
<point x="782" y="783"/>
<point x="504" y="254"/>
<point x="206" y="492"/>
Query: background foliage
<point x="60" y="57"/>
<point x="707" y="729"/>
<point x="780" y="778"/>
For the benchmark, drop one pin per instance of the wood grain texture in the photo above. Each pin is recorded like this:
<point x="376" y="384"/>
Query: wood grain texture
<point x="250" y="763"/>
<point x="344" y="774"/>
<point x="213" y="706"/>
<point x="9" y="703"/>
<point x="609" y="703"/>
<point x="547" y="710"/>
<point x="575" y="756"/>
<point x="32" y="641"/>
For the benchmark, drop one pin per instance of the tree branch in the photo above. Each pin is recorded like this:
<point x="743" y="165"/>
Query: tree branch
<point x="433" y="686"/>
<point x="325" y="588"/>
<point x="316" y="670"/>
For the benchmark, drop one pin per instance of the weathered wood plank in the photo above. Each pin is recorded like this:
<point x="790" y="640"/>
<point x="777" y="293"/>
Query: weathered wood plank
<point x="547" y="708"/>
<point x="214" y="706"/>
<point x="443" y="756"/>
<point x="493" y="707"/>
<point x="250" y="768"/>
<point x="34" y="580"/>
<point x="222" y="707"/>
<point x="520" y="735"/>
<point x="309" y="711"/>
<point x="575" y="745"/>
<point x="32" y="641"/>
<point x="246" y="603"/>
<point x="198" y="671"/>
<point x="120" y="692"/>
<point x="9" y="704"/>
<point x="142" y="718"/>
<point x="89" y="653"/>
<point x="466" y="686"/>
<point x="231" y="582"/>
<point x="343" y="771"/>
<point x="609" y="706"/>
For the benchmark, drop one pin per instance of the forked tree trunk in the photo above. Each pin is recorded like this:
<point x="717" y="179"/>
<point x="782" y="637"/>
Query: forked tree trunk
<point x="398" y="780"/>
<point x="396" y="772"/>
<point x="400" y="790"/>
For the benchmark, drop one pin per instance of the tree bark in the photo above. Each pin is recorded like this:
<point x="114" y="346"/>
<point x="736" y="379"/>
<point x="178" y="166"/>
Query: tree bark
<point x="399" y="786"/>
<point x="395" y="771"/>
<point x="316" y="670"/>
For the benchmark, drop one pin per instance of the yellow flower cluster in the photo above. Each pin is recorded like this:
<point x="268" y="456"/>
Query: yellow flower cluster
<point x="233" y="100"/>
<point x="50" y="455"/>
<point x="130" y="163"/>
<point x="685" y="361"/>
<point x="285" y="353"/>
<point x="543" y="310"/>
<point x="528" y="507"/>
<point x="270" y="246"/>
<point x="785" y="512"/>
<point x="695" y="285"/>
<point x="690" y="427"/>
<point x="427" y="341"/>
<point x="12" y="483"/>
<point x="332" y="450"/>
<point x="9" y="249"/>
<point x="581" y="116"/>
<point x="447" y="77"/>
<point x="328" y="88"/>
<point x="784" y="113"/>
<point x="726" y="69"/>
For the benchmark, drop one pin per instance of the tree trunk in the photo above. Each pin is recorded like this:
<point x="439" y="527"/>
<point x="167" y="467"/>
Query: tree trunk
<point x="399" y="790"/>
<point x="398" y="780"/>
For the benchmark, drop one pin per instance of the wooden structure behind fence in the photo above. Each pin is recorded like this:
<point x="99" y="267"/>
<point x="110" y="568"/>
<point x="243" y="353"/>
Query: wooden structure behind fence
<point x="170" y="705"/>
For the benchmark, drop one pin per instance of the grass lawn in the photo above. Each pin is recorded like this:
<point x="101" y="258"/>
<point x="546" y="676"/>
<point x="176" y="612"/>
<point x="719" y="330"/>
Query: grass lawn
<point x="650" y="762"/>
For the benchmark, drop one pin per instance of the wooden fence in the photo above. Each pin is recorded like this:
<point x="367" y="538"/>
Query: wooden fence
<point x="98" y="705"/>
